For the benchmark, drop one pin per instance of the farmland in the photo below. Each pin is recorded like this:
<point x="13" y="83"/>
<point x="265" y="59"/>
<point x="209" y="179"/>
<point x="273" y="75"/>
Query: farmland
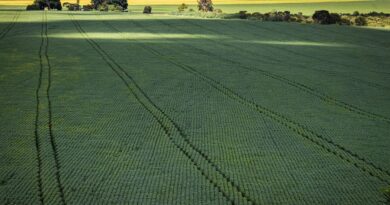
<point x="125" y="108"/>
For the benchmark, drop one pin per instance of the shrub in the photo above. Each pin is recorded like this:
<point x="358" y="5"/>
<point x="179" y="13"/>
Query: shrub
<point x="355" y="13"/>
<point x="72" y="7"/>
<point x="102" y="5"/>
<point x="257" y="16"/>
<point x="58" y="7"/>
<point x="345" y="21"/>
<point x="147" y="10"/>
<point x="361" y="21"/>
<point x="300" y="17"/>
<point x="243" y="14"/>
<point x="205" y="5"/>
<point x="324" y="17"/>
<point x="114" y="7"/>
<point x="32" y="7"/>
<point x="182" y="7"/>
<point x="334" y="18"/>
<point x="321" y="17"/>
<point x="88" y="7"/>
<point x="218" y="11"/>
<point x="286" y="16"/>
<point x="191" y="10"/>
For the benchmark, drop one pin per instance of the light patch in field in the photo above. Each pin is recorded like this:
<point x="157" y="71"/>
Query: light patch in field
<point x="130" y="36"/>
<point x="301" y="43"/>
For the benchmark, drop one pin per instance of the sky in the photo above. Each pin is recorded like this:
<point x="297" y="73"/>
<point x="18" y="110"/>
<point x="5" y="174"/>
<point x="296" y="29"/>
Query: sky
<point x="151" y="2"/>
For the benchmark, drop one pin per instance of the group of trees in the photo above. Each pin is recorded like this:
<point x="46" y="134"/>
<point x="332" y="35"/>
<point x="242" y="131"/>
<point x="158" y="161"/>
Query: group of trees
<point x="42" y="4"/>
<point x="105" y="4"/>
<point x="95" y="4"/>
<point x="203" y="5"/>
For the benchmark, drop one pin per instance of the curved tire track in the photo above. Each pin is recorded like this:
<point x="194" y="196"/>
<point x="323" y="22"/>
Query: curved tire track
<point x="322" y="96"/>
<point x="326" y="144"/>
<point x="198" y="158"/>
<point x="9" y="27"/>
<point x="45" y="63"/>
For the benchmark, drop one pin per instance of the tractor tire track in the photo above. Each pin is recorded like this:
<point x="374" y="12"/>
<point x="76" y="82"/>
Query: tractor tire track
<point x="285" y="50"/>
<point x="38" y="104"/>
<point x="50" y="112"/>
<point x="372" y="84"/>
<point x="9" y="27"/>
<point x="303" y="87"/>
<point x="382" y="44"/>
<point x="324" y="143"/>
<point x="173" y="131"/>
<point x="45" y="63"/>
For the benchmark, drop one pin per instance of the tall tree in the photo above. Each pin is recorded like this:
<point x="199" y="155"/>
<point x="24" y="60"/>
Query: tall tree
<point x="205" y="5"/>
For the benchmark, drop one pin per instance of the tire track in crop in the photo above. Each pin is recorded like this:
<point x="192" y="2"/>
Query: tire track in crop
<point x="50" y="112"/>
<point x="273" y="30"/>
<point x="9" y="27"/>
<point x="326" y="144"/>
<point x="45" y="63"/>
<point x="223" y="23"/>
<point x="327" y="28"/>
<point x="218" y="179"/>
<point x="303" y="87"/>
<point x="285" y="50"/>
<point x="368" y="83"/>
<point x="36" y="133"/>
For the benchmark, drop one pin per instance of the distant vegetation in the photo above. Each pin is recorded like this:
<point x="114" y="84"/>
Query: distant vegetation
<point x="205" y="5"/>
<point x="99" y="5"/>
<point x="112" y="5"/>
<point x="320" y="17"/>
<point x="42" y="4"/>
<point x="206" y="10"/>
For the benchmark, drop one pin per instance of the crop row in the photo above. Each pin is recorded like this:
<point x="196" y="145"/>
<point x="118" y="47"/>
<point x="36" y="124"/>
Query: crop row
<point x="9" y="27"/>
<point x="199" y="159"/>
<point x="44" y="130"/>
<point x="306" y="88"/>
<point x="323" y="142"/>
<point x="301" y="54"/>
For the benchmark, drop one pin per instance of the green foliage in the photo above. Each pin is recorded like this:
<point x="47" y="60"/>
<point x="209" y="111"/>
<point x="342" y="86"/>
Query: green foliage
<point x="324" y="17"/>
<point x="243" y="14"/>
<point x="32" y="7"/>
<point x="218" y="11"/>
<point x="272" y="16"/>
<point x="182" y="7"/>
<point x="88" y="7"/>
<point x="169" y="110"/>
<point x="360" y="21"/>
<point x="71" y="6"/>
<point x="42" y="4"/>
<point x="147" y="10"/>
<point x="345" y="21"/>
<point x="205" y="5"/>
<point x="102" y="5"/>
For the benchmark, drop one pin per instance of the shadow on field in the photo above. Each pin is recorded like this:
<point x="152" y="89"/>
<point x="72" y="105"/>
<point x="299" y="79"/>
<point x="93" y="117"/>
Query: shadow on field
<point x="315" y="43"/>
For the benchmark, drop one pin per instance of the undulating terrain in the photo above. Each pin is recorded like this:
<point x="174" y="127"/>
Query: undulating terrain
<point x="125" y="108"/>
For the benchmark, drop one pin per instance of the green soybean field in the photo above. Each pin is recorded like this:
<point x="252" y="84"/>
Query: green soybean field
<point x="127" y="108"/>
